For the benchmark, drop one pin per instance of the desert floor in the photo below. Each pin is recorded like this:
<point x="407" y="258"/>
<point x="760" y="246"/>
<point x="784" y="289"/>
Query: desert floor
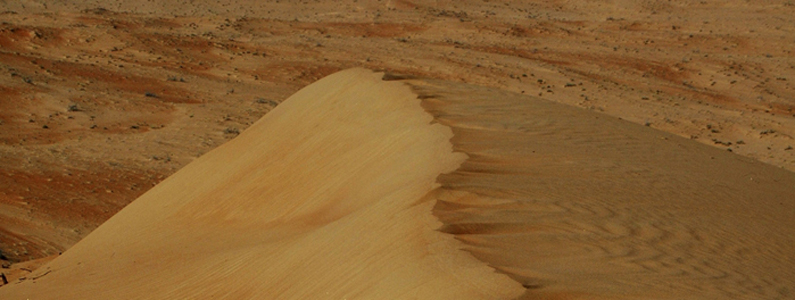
<point x="102" y="102"/>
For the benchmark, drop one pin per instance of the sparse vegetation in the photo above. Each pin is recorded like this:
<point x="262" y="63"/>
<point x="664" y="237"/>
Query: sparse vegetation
<point x="176" y="79"/>
<point x="232" y="130"/>
<point x="267" y="102"/>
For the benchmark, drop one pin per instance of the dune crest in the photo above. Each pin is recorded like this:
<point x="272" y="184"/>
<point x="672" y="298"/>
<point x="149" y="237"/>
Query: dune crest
<point x="329" y="196"/>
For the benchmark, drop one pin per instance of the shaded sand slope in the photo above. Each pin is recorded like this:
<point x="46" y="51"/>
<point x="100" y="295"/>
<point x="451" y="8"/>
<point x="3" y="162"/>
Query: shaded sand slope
<point x="582" y="205"/>
<point x="327" y="197"/>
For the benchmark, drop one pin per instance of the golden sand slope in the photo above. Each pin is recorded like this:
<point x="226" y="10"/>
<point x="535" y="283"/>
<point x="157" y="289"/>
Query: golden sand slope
<point x="327" y="197"/>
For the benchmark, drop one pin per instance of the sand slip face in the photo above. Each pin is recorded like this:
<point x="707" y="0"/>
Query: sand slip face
<point x="327" y="197"/>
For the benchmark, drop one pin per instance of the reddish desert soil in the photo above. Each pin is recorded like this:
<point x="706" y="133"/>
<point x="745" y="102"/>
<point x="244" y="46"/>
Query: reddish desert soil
<point x="101" y="102"/>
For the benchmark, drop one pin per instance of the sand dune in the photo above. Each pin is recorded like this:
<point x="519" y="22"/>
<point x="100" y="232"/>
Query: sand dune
<point x="402" y="188"/>
<point x="102" y="100"/>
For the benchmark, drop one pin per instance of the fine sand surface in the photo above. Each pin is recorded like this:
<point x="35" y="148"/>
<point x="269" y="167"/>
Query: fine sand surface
<point x="373" y="186"/>
<point x="102" y="100"/>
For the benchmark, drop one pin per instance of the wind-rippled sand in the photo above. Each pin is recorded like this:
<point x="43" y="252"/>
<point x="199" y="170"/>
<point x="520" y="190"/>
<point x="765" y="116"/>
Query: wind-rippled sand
<point x="577" y="205"/>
